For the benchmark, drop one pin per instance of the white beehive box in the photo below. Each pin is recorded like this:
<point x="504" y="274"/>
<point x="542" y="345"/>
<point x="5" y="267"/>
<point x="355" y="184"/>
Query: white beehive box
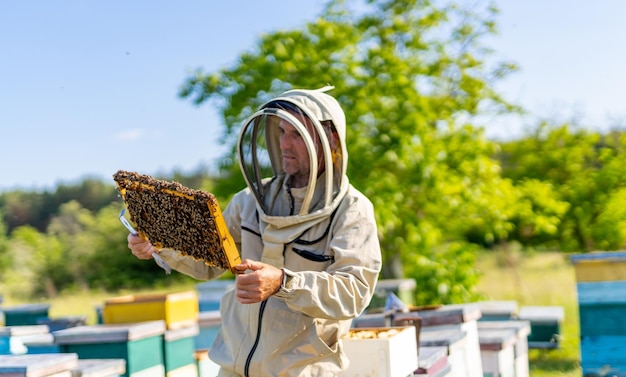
<point x="381" y="352"/>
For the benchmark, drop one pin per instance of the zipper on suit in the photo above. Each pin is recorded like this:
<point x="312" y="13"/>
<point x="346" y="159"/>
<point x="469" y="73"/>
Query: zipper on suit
<point x="256" y="341"/>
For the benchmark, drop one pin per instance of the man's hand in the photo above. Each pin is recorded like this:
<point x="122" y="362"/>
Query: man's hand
<point x="257" y="281"/>
<point x="140" y="248"/>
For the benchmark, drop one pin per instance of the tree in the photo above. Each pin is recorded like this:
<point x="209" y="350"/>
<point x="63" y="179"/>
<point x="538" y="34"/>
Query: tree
<point x="587" y="171"/>
<point x="39" y="266"/>
<point x="117" y="268"/>
<point x="411" y="75"/>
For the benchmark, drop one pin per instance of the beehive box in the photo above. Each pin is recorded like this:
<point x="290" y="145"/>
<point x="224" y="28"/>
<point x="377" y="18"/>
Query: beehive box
<point x="459" y="317"/>
<point x="433" y="362"/>
<point x="520" y="348"/>
<point x="179" y="348"/>
<point x="497" y="352"/>
<point x="381" y="352"/>
<point x="545" y="325"/>
<point x="209" y="324"/>
<point x="601" y="288"/>
<point x="12" y="337"/>
<point x="380" y="319"/>
<point x="60" y="323"/>
<point x="26" y="314"/>
<point x="600" y="266"/>
<point x="99" y="368"/>
<point x="40" y="343"/>
<point x="210" y="293"/>
<point x="45" y="365"/>
<point x="139" y="344"/>
<point x="498" y="310"/>
<point x="204" y="365"/>
<point x="455" y="342"/>
<point x="179" y="309"/>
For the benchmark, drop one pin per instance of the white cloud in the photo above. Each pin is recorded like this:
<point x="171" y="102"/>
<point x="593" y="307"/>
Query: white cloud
<point x="129" y="135"/>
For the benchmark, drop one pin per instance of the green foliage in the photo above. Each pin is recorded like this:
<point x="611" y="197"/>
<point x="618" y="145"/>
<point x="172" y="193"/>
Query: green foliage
<point x="445" y="275"/>
<point x="117" y="267"/>
<point x="36" y="208"/>
<point x="39" y="266"/>
<point x="408" y="73"/>
<point x="79" y="249"/>
<point x="5" y="256"/>
<point x="587" y="175"/>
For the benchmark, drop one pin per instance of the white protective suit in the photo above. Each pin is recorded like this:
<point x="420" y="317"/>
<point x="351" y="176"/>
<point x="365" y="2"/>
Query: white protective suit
<point x="323" y="236"/>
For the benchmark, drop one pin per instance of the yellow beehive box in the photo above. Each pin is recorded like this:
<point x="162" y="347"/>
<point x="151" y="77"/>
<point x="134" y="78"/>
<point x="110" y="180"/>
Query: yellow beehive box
<point x="381" y="352"/>
<point x="179" y="309"/>
<point x="600" y="266"/>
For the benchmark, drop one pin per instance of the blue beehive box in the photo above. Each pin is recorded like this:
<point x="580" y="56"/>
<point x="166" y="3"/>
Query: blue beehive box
<point x="12" y="338"/>
<point x="210" y="293"/>
<point x="140" y="344"/>
<point x="41" y="344"/>
<point x="601" y="288"/>
<point x="209" y="324"/>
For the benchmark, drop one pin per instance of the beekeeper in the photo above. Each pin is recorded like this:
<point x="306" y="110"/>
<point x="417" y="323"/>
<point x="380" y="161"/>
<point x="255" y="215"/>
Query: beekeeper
<point x="307" y="238"/>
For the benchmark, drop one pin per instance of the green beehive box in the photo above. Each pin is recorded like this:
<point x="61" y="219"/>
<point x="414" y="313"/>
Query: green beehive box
<point x="179" y="347"/>
<point x="545" y="325"/>
<point x="140" y="344"/>
<point x="26" y="314"/>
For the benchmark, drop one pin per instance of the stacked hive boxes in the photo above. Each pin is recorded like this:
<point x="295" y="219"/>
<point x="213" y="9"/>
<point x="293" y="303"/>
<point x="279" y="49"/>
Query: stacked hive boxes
<point x="29" y="328"/>
<point x="453" y="327"/>
<point x="601" y="287"/>
<point x="454" y="342"/>
<point x="495" y="352"/>
<point x="139" y="344"/>
<point x="209" y="321"/>
<point x="498" y="322"/>
<point x="381" y="352"/>
<point x="433" y="362"/>
<point x="462" y="319"/>
<point x="59" y="365"/>
<point x="13" y="338"/>
<point x="153" y="333"/>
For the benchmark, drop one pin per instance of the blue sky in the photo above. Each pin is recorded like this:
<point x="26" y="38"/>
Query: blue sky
<point x="89" y="87"/>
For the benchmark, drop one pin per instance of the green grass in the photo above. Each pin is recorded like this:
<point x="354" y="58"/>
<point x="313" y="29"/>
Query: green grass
<point x="530" y="279"/>
<point x="538" y="279"/>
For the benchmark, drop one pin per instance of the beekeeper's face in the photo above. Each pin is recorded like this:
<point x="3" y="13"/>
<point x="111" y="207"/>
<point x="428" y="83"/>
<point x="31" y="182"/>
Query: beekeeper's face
<point x="295" y="157"/>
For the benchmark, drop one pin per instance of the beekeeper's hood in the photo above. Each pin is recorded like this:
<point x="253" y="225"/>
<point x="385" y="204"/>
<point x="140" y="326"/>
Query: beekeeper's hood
<point x="321" y="124"/>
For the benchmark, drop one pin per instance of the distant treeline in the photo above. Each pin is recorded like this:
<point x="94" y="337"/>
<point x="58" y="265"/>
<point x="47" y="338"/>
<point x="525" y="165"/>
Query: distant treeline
<point x="36" y="208"/>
